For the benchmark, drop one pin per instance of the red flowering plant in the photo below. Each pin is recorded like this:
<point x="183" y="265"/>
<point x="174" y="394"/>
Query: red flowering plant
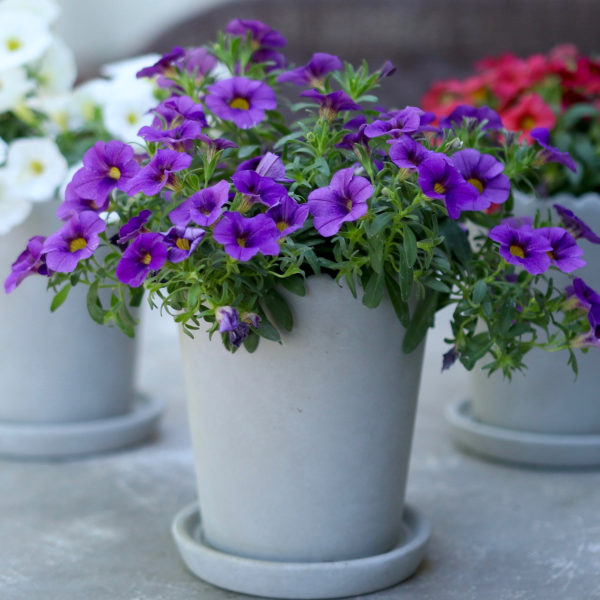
<point x="552" y="100"/>
<point x="227" y="208"/>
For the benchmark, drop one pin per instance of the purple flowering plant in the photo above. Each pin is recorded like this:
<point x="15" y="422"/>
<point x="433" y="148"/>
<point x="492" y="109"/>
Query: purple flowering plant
<point x="230" y="206"/>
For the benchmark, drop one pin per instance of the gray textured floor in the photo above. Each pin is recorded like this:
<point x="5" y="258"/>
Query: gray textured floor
<point x="98" y="529"/>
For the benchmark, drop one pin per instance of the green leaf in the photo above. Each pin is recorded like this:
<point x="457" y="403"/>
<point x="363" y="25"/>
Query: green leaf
<point x="294" y="284"/>
<point x="279" y="309"/>
<point x="400" y="306"/>
<point x="246" y="151"/>
<point x="380" y="222"/>
<point x="376" y="254"/>
<point x="479" y="292"/>
<point x="420" y="322"/>
<point x="435" y="284"/>
<point x="267" y="331"/>
<point x="374" y="290"/>
<point x="410" y="245"/>
<point x="456" y="241"/>
<point x="60" y="297"/>
<point x="405" y="275"/>
<point x="94" y="306"/>
<point x="193" y="296"/>
<point x="251" y="342"/>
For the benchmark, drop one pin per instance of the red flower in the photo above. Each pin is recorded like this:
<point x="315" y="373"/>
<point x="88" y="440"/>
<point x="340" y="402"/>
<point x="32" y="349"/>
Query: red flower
<point x="443" y="97"/>
<point x="529" y="112"/>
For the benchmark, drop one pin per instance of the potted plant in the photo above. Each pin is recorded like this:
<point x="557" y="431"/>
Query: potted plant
<point x="42" y="132"/>
<point x="551" y="101"/>
<point x="315" y="252"/>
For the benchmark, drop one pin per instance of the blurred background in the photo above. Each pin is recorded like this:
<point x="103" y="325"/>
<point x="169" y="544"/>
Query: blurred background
<point x="426" y="39"/>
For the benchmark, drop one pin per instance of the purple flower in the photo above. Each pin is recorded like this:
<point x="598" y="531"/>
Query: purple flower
<point x="76" y="203"/>
<point x="548" y="153"/>
<point x="275" y="60"/>
<point x="241" y="100"/>
<point x="565" y="253"/>
<point x="523" y="247"/>
<point x="177" y="138"/>
<point x="288" y="215"/>
<point x="575" y="226"/>
<point x="314" y="72"/>
<point x="440" y="179"/>
<point x="268" y="165"/>
<point x="238" y="329"/>
<point x="29" y="262"/>
<point x="106" y="166"/>
<point x="175" y="110"/>
<point x="386" y="70"/>
<point x="582" y="295"/>
<point x="159" y="172"/>
<point x="133" y="227"/>
<point x="198" y="62"/>
<point x="260" y="34"/>
<point x="485" y="174"/>
<point x="407" y="120"/>
<point x="202" y="208"/>
<point x="344" y="199"/>
<point x="182" y="241"/>
<point x="408" y="154"/>
<point x="474" y="116"/>
<point x="449" y="358"/>
<point x="357" y="134"/>
<point x="331" y="104"/>
<point x="147" y="253"/>
<point x="586" y="340"/>
<point x="163" y="65"/>
<point x="216" y="144"/>
<point x="255" y="188"/>
<point x="76" y="240"/>
<point x="244" y="237"/>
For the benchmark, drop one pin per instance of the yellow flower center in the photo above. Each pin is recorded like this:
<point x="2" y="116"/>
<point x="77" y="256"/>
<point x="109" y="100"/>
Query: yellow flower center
<point x="114" y="173"/>
<point x="37" y="167"/>
<point x="146" y="258"/>
<point x="281" y="225"/>
<point x="551" y="255"/>
<point x="527" y="122"/>
<point x="516" y="251"/>
<point x="477" y="183"/>
<point x="182" y="244"/>
<point x="13" y="44"/>
<point x="240" y="104"/>
<point x="132" y="118"/>
<point x="78" y="243"/>
<point x="241" y="242"/>
<point x="438" y="188"/>
<point x="349" y="205"/>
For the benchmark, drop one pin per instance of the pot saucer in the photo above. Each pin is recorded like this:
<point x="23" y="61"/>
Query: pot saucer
<point x="296" y="579"/>
<point x="63" y="440"/>
<point x="521" y="447"/>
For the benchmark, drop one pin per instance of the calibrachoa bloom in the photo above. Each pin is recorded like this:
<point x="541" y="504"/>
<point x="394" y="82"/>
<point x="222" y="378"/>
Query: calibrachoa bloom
<point x="575" y="226"/>
<point x="407" y="120"/>
<point x="344" y="199"/>
<point x="147" y="253"/>
<point x="288" y="215"/>
<point x="529" y="113"/>
<point x="255" y="188"/>
<point x="30" y="261"/>
<point x="331" y="104"/>
<point x="243" y="237"/>
<point x="488" y="118"/>
<point x="159" y="172"/>
<point x="76" y="240"/>
<point x="182" y="241"/>
<point x="314" y="72"/>
<point x="203" y="207"/>
<point x="406" y="153"/>
<point x="440" y="179"/>
<point x="550" y="154"/>
<point x="243" y="101"/>
<point x="523" y="246"/>
<point x="565" y="253"/>
<point x="485" y="174"/>
<point x="106" y="166"/>
<point x="235" y="326"/>
<point x="133" y="227"/>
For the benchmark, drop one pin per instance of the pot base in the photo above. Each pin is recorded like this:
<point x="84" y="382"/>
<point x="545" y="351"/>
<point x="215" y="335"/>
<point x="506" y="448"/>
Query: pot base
<point x="63" y="440"/>
<point x="300" y="580"/>
<point x="521" y="447"/>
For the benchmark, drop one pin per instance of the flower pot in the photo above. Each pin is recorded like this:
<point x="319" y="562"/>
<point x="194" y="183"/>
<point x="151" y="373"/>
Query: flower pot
<point x="302" y="452"/>
<point x="68" y="383"/>
<point x="544" y="416"/>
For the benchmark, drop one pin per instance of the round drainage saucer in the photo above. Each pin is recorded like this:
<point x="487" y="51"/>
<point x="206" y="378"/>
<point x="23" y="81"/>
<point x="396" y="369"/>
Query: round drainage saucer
<point x="521" y="447"/>
<point x="300" y="580"/>
<point x="61" y="440"/>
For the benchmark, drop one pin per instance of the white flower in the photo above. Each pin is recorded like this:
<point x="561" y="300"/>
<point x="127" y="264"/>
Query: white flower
<point x="14" y="86"/>
<point x="127" y="69"/>
<point x="57" y="69"/>
<point x="125" y="110"/>
<point x="3" y="150"/>
<point x="35" y="167"/>
<point x="13" y="208"/>
<point x="46" y="10"/>
<point x="24" y="37"/>
<point x="89" y="96"/>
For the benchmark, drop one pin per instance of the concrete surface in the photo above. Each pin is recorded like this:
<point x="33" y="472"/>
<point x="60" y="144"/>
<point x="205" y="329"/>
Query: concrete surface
<point x="98" y="529"/>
